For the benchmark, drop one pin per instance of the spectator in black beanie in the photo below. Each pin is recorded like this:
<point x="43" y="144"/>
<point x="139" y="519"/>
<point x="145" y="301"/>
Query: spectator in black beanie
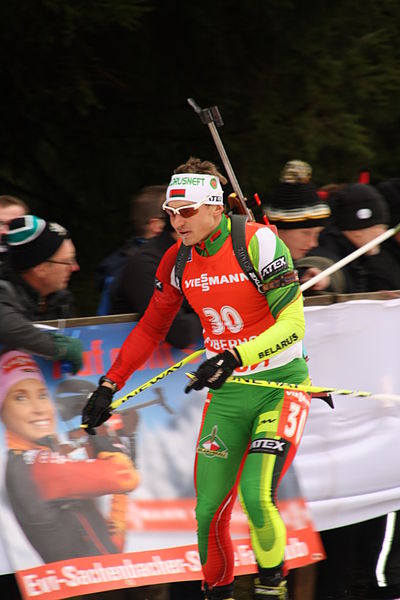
<point x="40" y="260"/>
<point x="360" y="214"/>
<point x="300" y="215"/>
<point x="296" y="209"/>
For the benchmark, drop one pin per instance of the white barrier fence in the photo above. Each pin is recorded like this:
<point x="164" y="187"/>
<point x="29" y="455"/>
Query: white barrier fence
<point x="348" y="459"/>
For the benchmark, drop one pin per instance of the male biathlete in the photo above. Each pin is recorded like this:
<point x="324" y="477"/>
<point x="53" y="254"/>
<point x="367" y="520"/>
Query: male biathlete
<point x="248" y="435"/>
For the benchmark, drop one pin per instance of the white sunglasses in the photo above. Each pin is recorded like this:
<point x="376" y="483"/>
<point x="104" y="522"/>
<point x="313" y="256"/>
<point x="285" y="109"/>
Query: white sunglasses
<point x="185" y="211"/>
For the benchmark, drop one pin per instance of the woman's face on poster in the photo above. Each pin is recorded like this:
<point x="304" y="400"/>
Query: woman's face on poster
<point x="28" y="410"/>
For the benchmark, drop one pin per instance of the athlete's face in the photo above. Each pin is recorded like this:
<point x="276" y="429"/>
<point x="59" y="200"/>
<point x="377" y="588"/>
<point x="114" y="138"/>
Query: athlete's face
<point x="28" y="410"/>
<point x="300" y="241"/>
<point x="196" y="228"/>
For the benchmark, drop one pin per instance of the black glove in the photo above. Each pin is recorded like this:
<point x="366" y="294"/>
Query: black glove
<point x="68" y="349"/>
<point x="97" y="409"/>
<point x="214" y="372"/>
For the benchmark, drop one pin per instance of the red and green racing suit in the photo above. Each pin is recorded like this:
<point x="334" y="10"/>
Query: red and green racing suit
<point x="248" y="435"/>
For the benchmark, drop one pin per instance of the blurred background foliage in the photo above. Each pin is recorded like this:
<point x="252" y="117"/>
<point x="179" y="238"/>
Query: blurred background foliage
<point x="93" y="97"/>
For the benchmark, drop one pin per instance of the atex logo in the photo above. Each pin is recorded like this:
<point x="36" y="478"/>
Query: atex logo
<point x="214" y="199"/>
<point x="277" y="265"/>
<point x="268" y="446"/>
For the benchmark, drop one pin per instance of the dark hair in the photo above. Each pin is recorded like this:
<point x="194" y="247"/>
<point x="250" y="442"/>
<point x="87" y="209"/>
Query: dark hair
<point x="147" y="205"/>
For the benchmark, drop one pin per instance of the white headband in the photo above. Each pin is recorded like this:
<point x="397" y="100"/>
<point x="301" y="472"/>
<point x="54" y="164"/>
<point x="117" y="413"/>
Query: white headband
<point x="195" y="187"/>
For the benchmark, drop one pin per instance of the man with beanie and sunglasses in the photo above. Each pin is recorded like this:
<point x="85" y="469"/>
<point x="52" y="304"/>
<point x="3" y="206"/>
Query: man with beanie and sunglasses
<point x="248" y="436"/>
<point x="40" y="261"/>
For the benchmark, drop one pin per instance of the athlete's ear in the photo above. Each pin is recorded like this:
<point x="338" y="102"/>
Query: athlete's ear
<point x="219" y="209"/>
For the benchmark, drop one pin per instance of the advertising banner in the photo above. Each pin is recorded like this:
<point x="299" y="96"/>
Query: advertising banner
<point x="81" y="514"/>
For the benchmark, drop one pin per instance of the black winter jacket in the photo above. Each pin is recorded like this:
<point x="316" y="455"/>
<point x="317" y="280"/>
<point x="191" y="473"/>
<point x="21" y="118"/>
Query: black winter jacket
<point x="365" y="274"/>
<point x="20" y="305"/>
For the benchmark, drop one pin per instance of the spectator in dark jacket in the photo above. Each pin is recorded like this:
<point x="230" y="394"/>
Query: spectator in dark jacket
<point x="133" y="289"/>
<point x="41" y="260"/>
<point x="360" y="214"/>
<point x="147" y="220"/>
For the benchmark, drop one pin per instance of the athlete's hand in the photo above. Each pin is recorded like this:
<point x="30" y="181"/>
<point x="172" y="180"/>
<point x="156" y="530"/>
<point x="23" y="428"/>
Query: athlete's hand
<point x="214" y="372"/>
<point x="97" y="408"/>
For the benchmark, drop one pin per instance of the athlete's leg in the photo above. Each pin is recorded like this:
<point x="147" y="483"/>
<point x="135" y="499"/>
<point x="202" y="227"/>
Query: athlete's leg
<point x="275" y="437"/>
<point x="274" y="441"/>
<point x="259" y="483"/>
<point x="222" y="445"/>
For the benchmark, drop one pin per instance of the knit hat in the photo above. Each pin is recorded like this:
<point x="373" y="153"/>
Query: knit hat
<point x="31" y="240"/>
<point x="390" y="190"/>
<point x="295" y="203"/>
<point x="16" y="366"/>
<point x="358" y="206"/>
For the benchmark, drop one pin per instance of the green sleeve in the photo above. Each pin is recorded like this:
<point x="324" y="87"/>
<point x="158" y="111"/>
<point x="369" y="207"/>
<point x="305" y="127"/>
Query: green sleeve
<point x="289" y="325"/>
<point x="271" y="257"/>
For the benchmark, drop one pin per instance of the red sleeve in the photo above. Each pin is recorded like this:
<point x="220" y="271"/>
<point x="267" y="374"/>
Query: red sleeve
<point x="154" y="324"/>
<point x="60" y="477"/>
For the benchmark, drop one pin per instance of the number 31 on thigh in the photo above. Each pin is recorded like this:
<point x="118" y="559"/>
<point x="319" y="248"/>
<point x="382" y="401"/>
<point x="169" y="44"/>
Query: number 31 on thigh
<point x="295" y="408"/>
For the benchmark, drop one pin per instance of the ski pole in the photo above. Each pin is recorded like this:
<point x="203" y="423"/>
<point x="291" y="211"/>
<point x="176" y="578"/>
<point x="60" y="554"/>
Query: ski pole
<point x="310" y="389"/>
<point x="157" y="378"/>
<point x="153" y="380"/>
